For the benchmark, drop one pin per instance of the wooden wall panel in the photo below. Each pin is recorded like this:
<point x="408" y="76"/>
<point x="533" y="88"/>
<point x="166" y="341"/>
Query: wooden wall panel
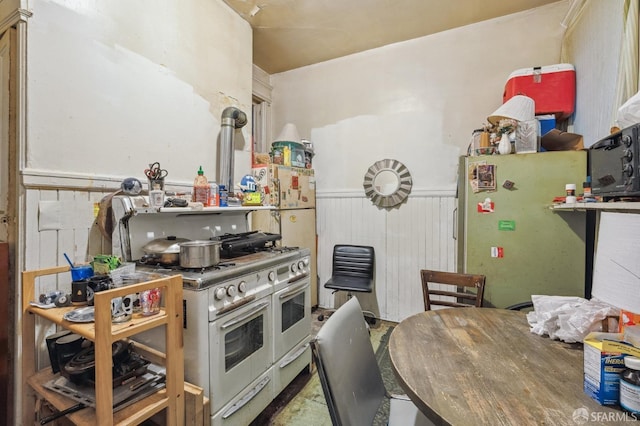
<point x="418" y="235"/>
<point x="5" y="327"/>
<point x="46" y="248"/>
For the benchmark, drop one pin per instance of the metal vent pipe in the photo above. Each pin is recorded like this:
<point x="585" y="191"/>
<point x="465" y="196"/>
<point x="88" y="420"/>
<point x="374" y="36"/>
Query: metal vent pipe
<point x="232" y="118"/>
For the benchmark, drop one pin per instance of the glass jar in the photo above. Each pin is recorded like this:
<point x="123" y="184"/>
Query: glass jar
<point x="630" y="385"/>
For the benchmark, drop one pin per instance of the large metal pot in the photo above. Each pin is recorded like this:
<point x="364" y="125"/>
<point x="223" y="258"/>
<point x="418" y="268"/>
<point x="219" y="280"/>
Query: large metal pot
<point x="163" y="250"/>
<point x="199" y="253"/>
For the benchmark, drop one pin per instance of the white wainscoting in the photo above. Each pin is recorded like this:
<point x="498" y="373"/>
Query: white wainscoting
<point x="75" y="234"/>
<point x="418" y="235"/>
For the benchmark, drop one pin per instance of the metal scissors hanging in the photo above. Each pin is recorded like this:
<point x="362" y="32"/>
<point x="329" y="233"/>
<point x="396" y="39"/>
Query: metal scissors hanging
<point x="155" y="172"/>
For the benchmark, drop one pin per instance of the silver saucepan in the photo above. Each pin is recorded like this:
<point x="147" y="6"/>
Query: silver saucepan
<point x="199" y="253"/>
<point x="165" y="251"/>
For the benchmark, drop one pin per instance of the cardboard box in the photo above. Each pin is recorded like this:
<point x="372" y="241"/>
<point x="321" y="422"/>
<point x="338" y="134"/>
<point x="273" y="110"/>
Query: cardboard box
<point x="628" y="318"/>
<point x="557" y="140"/>
<point x="603" y="362"/>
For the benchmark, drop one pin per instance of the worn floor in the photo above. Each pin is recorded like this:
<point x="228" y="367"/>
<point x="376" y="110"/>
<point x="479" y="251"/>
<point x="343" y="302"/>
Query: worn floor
<point x="302" y="403"/>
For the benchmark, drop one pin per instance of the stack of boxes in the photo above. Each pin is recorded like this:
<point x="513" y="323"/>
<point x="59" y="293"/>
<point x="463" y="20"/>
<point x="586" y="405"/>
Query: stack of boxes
<point x="604" y="355"/>
<point x="553" y="89"/>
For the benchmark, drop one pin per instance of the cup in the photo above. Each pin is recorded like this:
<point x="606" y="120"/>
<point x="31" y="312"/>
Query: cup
<point x="79" y="292"/>
<point x="154" y="182"/>
<point x="79" y="273"/>
<point x="150" y="301"/>
<point x="129" y="303"/>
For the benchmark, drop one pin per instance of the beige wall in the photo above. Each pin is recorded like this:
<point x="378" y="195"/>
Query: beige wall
<point x="417" y="102"/>
<point x="119" y="85"/>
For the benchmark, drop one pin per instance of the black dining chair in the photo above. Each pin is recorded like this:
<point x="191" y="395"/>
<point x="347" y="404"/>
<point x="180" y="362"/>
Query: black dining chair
<point x="350" y="376"/>
<point x="354" y="272"/>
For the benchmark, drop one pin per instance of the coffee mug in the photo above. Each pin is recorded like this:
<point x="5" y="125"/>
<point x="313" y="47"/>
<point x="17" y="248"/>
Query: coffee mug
<point x="79" y="292"/>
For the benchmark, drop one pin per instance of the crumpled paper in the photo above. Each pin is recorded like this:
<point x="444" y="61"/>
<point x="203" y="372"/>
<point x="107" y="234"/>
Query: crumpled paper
<point x="567" y="318"/>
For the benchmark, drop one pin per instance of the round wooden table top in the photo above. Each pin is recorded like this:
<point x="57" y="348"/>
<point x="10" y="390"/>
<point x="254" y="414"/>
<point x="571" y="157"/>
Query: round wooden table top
<point x="482" y="366"/>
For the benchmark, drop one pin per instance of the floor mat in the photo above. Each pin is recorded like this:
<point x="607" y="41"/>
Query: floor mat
<point x="302" y="403"/>
<point x="390" y="383"/>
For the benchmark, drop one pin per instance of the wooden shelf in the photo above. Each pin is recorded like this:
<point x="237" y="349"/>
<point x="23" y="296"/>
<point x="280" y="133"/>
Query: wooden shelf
<point x="103" y="333"/>
<point x="618" y="206"/>
<point x="133" y="414"/>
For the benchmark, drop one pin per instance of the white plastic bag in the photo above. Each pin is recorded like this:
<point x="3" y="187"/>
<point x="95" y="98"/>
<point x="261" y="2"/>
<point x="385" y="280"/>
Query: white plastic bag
<point x="567" y="318"/>
<point x="629" y="112"/>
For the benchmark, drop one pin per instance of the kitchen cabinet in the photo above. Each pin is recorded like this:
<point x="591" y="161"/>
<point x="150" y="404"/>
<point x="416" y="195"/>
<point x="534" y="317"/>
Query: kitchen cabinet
<point x="103" y="334"/>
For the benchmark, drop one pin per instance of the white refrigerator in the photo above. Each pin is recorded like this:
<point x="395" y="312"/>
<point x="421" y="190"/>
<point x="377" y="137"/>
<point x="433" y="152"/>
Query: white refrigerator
<point x="292" y="191"/>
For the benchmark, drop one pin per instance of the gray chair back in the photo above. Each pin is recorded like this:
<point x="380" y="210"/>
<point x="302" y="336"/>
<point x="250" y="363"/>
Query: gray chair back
<point x="347" y="367"/>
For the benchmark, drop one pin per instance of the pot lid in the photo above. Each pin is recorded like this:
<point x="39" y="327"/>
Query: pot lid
<point x="170" y="244"/>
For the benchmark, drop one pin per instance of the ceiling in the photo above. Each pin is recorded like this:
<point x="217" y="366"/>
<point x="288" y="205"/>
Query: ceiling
<point x="289" y="34"/>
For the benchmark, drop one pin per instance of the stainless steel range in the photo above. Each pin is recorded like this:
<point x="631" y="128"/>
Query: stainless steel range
<point x="247" y="321"/>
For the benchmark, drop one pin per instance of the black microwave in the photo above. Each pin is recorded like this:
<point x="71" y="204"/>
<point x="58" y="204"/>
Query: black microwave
<point x="613" y="164"/>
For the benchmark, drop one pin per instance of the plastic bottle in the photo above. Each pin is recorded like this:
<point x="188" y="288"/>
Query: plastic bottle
<point x="201" y="188"/>
<point x="630" y="385"/>
<point x="586" y="188"/>
<point x="224" y="196"/>
<point x="214" y="195"/>
<point x="570" y="189"/>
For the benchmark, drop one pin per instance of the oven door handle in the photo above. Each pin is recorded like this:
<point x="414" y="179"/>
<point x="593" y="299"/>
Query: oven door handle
<point x="298" y="278"/>
<point x="294" y="290"/>
<point x="246" y="398"/>
<point x="288" y="360"/>
<point x="249" y="314"/>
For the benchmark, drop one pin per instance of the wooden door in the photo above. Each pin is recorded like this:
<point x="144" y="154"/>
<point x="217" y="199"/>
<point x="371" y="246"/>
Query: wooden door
<point x="8" y="222"/>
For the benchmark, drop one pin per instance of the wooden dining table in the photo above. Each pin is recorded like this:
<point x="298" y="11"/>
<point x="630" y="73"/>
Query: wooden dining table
<point x="482" y="366"/>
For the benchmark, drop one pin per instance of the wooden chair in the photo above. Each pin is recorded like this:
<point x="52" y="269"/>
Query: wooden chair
<point x="463" y="294"/>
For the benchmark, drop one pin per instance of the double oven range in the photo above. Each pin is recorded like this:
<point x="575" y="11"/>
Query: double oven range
<point x="247" y="320"/>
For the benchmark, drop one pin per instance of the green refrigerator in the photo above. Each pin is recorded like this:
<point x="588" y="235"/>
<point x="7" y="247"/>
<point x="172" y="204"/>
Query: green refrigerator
<point x="507" y="231"/>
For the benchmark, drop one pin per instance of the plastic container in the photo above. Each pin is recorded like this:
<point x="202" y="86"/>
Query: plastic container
<point x="292" y="153"/>
<point x="630" y="385"/>
<point x="201" y="188"/>
<point x="214" y="195"/>
<point x="552" y="87"/>
<point x="570" y="189"/>
<point x="81" y="272"/>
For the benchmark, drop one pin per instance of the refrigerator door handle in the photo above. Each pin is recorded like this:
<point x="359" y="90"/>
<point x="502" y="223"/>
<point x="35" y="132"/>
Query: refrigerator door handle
<point x="455" y="223"/>
<point x="276" y="186"/>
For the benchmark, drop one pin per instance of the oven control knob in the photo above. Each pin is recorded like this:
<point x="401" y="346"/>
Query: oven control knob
<point x="301" y="265"/>
<point x="272" y="276"/>
<point x="231" y="290"/>
<point x="627" y="155"/>
<point x="220" y="293"/>
<point x="242" y="286"/>
<point x="626" y="139"/>
<point x="627" y="170"/>
<point x="294" y="267"/>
